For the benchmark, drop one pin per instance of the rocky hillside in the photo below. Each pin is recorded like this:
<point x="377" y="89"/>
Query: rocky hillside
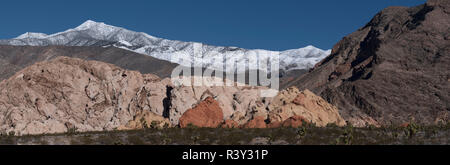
<point x="15" y="58"/>
<point x="70" y="94"/>
<point x="393" y="70"/>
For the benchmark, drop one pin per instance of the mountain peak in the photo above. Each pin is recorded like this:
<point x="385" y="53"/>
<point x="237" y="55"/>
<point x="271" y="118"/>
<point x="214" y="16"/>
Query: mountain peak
<point x="90" y="24"/>
<point x="310" y="47"/>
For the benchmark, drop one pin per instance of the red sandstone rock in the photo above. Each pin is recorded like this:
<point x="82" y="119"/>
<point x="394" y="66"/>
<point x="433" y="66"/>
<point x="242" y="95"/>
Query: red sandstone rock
<point x="257" y="122"/>
<point x="230" y="124"/>
<point x="299" y="100"/>
<point x="294" y="121"/>
<point x="292" y="102"/>
<point x="275" y="124"/>
<point x="206" y="114"/>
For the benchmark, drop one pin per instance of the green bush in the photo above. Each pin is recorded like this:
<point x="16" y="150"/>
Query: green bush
<point x="154" y="124"/>
<point x="346" y="137"/>
<point x="71" y="131"/>
<point x="411" y="129"/>
<point x="301" y="132"/>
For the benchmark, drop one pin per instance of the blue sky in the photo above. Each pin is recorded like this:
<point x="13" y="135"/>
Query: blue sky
<point x="264" y="24"/>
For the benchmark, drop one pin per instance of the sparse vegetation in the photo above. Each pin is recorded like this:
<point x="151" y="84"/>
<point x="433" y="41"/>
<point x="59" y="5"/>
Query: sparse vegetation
<point x="72" y="130"/>
<point x="307" y="134"/>
<point x="347" y="137"/>
<point x="301" y="132"/>
<point x="411" y="129"/>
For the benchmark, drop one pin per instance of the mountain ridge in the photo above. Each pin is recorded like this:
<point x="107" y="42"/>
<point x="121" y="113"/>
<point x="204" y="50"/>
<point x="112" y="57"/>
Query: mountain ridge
<point x="91" y="33"/>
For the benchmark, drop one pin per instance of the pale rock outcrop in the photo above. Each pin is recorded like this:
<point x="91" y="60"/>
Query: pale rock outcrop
<point x="231" y="99"/>
<point x="146" y="119"/>
<point x="53" y="96"/>
<point x="294" y="121"/>
<point x="152" y="96"/>
<point x="292" y="102"/>
<point x="249" y="106"/>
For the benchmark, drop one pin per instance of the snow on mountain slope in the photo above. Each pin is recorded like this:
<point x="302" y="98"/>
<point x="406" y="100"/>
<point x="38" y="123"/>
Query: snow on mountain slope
<point x="92" y="33"/>
<point x="31" y="35"/>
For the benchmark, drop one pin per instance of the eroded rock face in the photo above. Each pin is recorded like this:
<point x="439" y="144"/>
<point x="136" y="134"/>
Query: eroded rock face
<point x="290" y="108"/>
<point x="231" y="99"/>
<point x="206" y="114"/>
<point x="49" y="97"/>
<point x="291" y="102"/>
<point x="67" y="94"/>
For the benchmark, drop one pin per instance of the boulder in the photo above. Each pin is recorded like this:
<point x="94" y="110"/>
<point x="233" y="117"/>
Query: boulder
<point x="206" y="114"/>
<point x="312" y="108"/>
<point x="66" y="94"/>
<point x="294" y="122"/>
<point x="146" y="119"/>
<point x="257" y="122"/>
<point x="231" y="99"/>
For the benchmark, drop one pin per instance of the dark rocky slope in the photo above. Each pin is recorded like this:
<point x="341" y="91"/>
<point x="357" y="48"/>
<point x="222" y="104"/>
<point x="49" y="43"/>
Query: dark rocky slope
<point x="393" y="70"/>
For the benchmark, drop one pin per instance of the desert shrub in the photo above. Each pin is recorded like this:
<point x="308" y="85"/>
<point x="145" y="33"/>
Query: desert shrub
<point x="331" y="125"/>
<point x="191" y="126"/>
<point x="309" y="124"/>
<point x="154" y="124"/>
<point x="144" y="123"/>
<point x="270" y="139"/>
<point x="347" y="136"/>
<point x="411" y="129"/>
<point x="71" y="131"/>
<point x="301" y="132"/>
<point x="166" y="126"/>
<point x="195" y="139"/>
<point x="371" y="127"/>
<point x="165" y="139"/>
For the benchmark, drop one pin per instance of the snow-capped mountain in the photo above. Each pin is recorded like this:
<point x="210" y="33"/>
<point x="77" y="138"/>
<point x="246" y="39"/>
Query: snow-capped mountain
<point x="92" y="33"/>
